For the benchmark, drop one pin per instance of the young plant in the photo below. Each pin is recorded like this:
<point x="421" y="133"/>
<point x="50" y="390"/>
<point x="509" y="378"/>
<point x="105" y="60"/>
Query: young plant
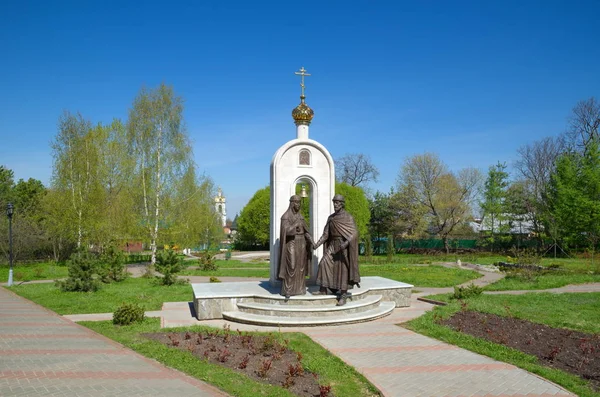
<point x="128" y="313"/>
<point x="244" y="362"/>
<point x="112" y="265"/>
<point x="169" y="265"/>
<point x="82" y="271"/>
<point x="264" y="368"/>
<point x="207" y="261"/>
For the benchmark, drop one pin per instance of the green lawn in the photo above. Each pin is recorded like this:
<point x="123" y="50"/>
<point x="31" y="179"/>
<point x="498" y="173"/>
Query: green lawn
<point x="414" y="259"/>
<point x="421" y="276"/>
<point x="571" y="270"/>
<point x="424" y="276"/>
<point x="133" y="290"/>
<point x="534" y="281"/>
<point x="234" y="263"/>
<point x="575" y="311"/>
<point x="34" y="271"/>
<point x="225" y="272"/>
<point x="345" y="381"/>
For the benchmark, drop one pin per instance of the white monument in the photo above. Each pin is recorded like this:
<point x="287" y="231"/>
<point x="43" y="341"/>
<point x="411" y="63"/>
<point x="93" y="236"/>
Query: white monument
<point x="301" y="161"/>
<point x="305" y="165"/>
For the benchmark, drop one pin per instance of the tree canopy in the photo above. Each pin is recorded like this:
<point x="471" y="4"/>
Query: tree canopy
<point x="443" y="197"/>
<point x="357" y="205"/>
<point x="254" y="219"/>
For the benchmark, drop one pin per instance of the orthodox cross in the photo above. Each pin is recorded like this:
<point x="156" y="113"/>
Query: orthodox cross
<point x="302" y="73"/>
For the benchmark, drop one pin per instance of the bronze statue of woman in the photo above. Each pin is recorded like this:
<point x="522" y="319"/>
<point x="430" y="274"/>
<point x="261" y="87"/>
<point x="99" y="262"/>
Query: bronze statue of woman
<point x="295" y="250"/>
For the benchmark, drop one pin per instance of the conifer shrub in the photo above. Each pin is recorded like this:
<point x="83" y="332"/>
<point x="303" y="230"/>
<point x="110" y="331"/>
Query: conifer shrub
<point x="82" y="270"/>
<point x="168" y="265"/>
<point x="112" y="265"/>
<point x="207" y="261"/>
<point x="466" y="292"/>
<point x="128" y="313"/>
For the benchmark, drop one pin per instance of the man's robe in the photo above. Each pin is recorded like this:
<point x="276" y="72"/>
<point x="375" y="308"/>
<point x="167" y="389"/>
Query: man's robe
<point x="339" y="271"/>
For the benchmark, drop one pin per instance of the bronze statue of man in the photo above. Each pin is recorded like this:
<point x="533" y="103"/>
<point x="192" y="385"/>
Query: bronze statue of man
<point x="338" y="269"/>
<point x="295" y="253"/>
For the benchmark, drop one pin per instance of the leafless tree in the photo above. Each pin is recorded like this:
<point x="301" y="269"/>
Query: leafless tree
<point x="583" y="124"/>
<point x="356" y="169"/>
<point x="536" y="162"/>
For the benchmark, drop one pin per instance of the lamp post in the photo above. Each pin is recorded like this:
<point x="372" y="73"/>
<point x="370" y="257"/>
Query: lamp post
<point x="9" y="212"/>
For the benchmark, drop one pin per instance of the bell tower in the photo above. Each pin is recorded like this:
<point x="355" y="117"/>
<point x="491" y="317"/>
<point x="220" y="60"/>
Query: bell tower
<point x="221" y="207"/>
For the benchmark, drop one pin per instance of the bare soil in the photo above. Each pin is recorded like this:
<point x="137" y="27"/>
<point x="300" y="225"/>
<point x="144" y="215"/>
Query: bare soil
<point x="571" y="351"/>
<point x="261" y="358"/>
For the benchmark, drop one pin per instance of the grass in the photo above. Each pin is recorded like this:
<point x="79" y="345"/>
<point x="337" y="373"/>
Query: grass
<point x="538" y="281"/>
<point x="575" y="311"/>
<point x="233" y="263"/>
<point x="48" y="270"/>
<point x="422" y="276"/>
<point x="572" y="270"/>
<point x="140" y="290"/>
<point x="230" y="267"/>
<point x="237" y="272"/>
<point x="345" y="381"/>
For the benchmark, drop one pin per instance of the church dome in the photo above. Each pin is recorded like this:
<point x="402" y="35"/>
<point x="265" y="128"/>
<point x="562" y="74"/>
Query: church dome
<point x="302" y="113"/>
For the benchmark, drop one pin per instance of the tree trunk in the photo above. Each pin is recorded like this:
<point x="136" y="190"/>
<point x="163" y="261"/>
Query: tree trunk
<point x="446" y="245"/>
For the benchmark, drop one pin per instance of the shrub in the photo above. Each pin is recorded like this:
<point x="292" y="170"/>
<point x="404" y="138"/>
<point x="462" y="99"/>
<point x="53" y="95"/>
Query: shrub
<point x="207" y="261"/>
<point x="82" y="268"/>
<point x="213" y="279"/>
<point x="128" y="313"/>
<point x="466" y="292"/>
<point x="112" y="265"/>
<point x="169" y="265"/>
<point x="526" y="256"/>
<point x="39" y="272"/>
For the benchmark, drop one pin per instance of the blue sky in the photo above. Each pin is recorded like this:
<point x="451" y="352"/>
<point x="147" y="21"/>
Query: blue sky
<point x="470" y="81"/>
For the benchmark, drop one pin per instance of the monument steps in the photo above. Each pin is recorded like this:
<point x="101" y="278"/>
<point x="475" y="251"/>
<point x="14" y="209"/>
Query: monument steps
<point x="353" y="305"/>
<point x="304" y="300"/>
<point x="335" y="318"/>
<point x="260" y="303"/>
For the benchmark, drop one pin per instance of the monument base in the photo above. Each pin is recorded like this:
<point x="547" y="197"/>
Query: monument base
<point x="258" y="302"/>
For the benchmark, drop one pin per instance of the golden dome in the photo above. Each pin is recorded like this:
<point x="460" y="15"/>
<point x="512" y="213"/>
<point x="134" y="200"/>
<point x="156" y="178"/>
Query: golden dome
<point x="302" y="114"/>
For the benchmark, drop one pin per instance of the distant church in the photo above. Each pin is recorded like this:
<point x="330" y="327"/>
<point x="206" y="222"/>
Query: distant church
<point x="221" y="207"/>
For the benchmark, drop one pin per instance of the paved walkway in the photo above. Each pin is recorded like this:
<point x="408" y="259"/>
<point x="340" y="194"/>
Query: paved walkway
<point x="43" y="354"/>
<point x="401" y="363"/>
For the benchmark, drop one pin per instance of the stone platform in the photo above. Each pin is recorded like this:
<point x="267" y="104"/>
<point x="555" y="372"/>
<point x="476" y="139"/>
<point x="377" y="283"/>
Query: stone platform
<point x="258" y="302"/>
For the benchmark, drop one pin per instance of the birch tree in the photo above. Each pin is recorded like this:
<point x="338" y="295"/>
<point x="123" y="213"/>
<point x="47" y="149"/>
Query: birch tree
<point x="75" y="176"/>
<point x="161" y="152"/>
<point x="193" y="217"/>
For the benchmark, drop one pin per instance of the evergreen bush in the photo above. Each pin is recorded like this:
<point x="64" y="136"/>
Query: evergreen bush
<point x="112" y="265"/>
<point x="168" y="265"/>
<point x="469" y="291"/>
<point x="128" y="313"/>
<point x="82" y="270"/>
<point x="207" y="261"/>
